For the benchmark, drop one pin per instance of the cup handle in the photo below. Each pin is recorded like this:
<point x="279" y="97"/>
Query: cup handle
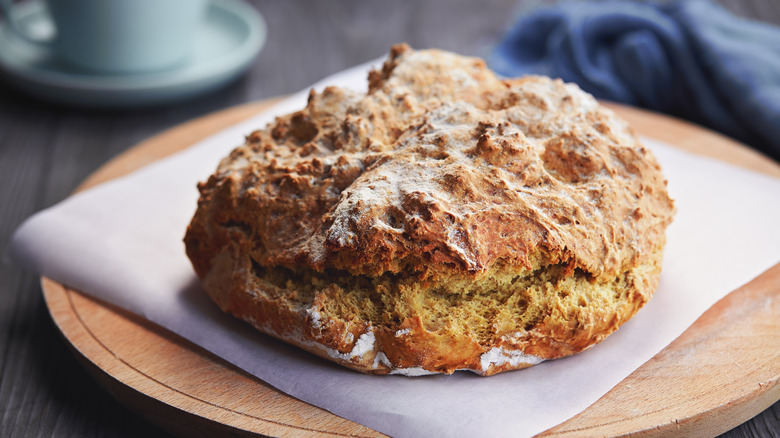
<point x="8" y="8"/>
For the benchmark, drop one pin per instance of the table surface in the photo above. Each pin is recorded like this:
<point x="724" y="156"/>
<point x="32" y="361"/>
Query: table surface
<point x="47" y="150"/>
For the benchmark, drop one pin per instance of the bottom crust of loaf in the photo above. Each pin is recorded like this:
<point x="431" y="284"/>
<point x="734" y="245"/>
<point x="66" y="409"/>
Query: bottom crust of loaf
<point x="503" y="319"/>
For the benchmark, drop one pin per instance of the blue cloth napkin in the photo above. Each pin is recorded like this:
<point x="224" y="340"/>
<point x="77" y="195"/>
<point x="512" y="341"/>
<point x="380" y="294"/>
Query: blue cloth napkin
<point x="688" y="58"/>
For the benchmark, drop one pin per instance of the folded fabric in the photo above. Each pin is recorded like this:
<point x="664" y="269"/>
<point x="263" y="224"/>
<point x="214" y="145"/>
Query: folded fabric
<point x="688" y="58"/>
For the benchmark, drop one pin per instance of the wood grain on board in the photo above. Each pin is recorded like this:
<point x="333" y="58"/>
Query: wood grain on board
<point x="722" y="371"/>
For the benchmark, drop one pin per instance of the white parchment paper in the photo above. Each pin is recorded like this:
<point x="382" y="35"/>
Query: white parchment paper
<point x="122" y="242"/>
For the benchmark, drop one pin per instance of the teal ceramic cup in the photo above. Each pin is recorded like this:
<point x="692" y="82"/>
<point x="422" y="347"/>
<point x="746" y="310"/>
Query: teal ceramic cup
<point x="119" y="36"/>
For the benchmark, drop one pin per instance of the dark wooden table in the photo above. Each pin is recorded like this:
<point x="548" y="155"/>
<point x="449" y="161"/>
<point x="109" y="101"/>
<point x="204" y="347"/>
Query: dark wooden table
<point x="46" y="150"/>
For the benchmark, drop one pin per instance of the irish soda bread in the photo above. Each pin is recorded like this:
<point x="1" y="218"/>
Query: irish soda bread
<point x="446" y="220"/>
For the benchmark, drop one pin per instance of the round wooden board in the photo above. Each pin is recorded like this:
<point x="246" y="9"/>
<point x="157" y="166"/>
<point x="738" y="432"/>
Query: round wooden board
<point x="721" y="372"/>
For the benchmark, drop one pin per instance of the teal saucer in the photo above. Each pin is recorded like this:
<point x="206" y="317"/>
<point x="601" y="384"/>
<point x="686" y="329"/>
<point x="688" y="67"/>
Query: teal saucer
<point x="232" y="35"/>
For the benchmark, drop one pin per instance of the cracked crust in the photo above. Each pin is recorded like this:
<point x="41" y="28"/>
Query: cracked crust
<point x="444" y="220"/>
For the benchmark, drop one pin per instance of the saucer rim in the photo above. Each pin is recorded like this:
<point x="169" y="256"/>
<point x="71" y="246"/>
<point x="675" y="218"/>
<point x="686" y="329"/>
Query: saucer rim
<point x="187" y="77"/>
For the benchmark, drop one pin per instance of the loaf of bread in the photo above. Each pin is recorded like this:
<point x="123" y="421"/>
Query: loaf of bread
<point x="445" y="220"/>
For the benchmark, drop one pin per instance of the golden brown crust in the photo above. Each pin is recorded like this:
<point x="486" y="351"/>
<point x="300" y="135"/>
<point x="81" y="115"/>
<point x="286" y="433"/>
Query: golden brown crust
<point x="521" y="206"/>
